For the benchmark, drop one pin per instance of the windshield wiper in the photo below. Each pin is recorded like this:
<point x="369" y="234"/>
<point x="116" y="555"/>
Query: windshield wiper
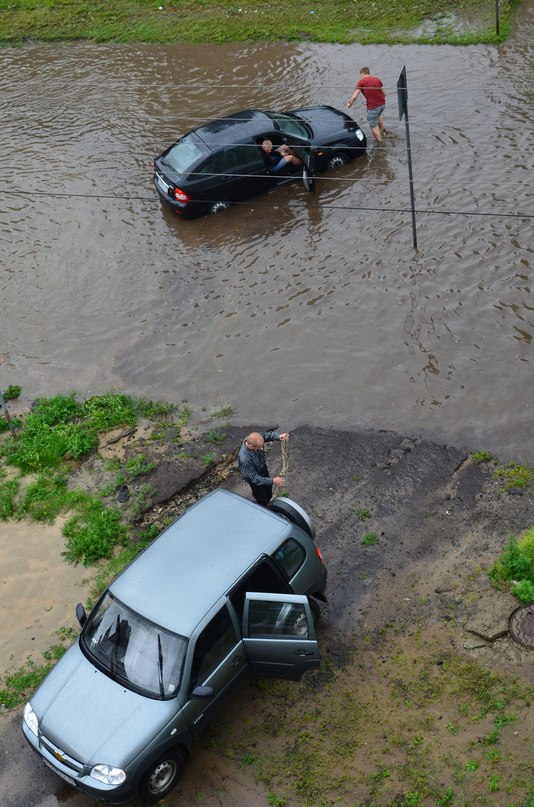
<point x="160" y="667"/>
<point x="112" y="659"/>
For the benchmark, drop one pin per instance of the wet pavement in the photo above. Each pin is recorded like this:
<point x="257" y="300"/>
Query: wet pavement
<point x="291" y="308"/>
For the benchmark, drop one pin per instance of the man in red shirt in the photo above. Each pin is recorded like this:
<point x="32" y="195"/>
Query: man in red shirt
<point x="373" y="91"/>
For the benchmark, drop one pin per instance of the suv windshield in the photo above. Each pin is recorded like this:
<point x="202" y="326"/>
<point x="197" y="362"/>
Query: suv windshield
<point x="290" y="125"/>
<point x="126" y="646"/>
<point x="183" y="154"/>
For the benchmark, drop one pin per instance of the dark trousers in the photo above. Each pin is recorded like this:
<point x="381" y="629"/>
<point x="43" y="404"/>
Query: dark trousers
<point x="262" y="493"/>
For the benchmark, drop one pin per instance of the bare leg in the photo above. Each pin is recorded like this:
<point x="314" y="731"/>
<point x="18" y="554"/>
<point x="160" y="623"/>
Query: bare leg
<point x="376" y="131"/>
<point x="381" y="126"/>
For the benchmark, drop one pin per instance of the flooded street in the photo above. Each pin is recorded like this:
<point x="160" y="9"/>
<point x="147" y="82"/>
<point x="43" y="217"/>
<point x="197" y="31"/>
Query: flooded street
<point x="291" y="308"/>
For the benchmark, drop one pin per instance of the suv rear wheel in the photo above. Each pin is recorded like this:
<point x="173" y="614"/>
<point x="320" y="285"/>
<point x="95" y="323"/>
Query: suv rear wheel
<point x="161" y="777"/>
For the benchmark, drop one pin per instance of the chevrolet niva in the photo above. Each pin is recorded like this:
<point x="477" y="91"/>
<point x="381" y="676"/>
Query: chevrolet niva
<point x="228" y="589"/>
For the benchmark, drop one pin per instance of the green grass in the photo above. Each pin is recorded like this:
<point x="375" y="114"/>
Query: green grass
<point x="370" y="539"/>
<point x="513" y="476"/>
<point x="18" y="686"/>
<point x="514" y="569"/>
<point x="200" y="21"/>
<point x="224" y="412"/>
<point x="12" y="392"/>
<point x="388" y="729"/>
<point x="93" y="532"/>
<point x="215" y="436"/>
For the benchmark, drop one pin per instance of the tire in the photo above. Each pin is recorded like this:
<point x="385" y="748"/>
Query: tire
<point x="337" y="160"/>
<point x="316" y="612"/>
<point x="161" y="777"/>
<point x="294" y="513"/>
<point x="219" y="207"/>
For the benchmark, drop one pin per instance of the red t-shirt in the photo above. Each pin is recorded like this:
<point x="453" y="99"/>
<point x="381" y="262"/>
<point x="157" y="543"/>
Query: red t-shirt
<point x="371" y="87"/>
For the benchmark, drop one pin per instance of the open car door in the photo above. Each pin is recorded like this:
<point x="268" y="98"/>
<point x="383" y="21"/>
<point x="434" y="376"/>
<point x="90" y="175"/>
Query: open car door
<point x="307" y="155"/>
<point x="279" y="635"/>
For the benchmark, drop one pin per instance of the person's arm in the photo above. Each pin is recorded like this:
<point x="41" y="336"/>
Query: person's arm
<point x="352" y="99"/>
<point x="270" y="437"/>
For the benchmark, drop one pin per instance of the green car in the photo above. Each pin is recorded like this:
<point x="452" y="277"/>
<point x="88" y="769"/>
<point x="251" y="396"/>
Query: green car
<point x="228" y="589"/>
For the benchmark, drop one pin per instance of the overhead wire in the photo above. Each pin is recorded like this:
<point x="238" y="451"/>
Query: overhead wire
<point x="256" y="203"/>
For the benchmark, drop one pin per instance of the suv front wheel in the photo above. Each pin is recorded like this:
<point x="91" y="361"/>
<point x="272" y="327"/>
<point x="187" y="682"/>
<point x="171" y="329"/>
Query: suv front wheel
<point x="161" y="777"/>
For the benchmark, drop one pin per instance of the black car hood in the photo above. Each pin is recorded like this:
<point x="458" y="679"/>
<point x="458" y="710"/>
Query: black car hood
<point x="325" y="121"/>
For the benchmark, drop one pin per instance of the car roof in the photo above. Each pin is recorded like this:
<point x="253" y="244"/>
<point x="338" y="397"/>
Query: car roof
<point x="235" y="127"/>
<point x="182" y="574"/>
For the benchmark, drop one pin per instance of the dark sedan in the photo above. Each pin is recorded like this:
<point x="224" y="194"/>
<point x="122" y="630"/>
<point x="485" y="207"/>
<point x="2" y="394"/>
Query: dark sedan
<point x="226" y="161"/>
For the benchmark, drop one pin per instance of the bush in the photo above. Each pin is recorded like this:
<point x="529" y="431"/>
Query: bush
<point x="8" y="491"/>
<point x="515" y="567"/>
<point x="93" y="533"/>
<point x="60" y="428"/>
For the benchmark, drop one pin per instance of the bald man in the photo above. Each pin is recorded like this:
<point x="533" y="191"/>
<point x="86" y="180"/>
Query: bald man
<point x="253" y="465"/>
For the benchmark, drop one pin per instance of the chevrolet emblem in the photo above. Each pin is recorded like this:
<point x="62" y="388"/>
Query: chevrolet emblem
<point x="58" y="755"/>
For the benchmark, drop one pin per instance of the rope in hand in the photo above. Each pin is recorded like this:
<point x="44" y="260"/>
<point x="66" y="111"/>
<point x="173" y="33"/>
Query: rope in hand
<point x="285" y="464"/>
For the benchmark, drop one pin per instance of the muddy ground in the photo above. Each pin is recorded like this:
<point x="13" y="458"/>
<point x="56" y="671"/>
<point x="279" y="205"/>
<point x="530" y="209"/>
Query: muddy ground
<point x="440" y="517"/>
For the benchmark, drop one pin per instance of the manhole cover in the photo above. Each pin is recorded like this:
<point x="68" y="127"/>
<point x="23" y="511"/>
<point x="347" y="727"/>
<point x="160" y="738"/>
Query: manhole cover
<point x="521" y="625"/>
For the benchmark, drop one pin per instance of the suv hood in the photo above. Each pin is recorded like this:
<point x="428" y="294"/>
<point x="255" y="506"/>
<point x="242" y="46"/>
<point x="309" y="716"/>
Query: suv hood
<point x="93" y="718"/>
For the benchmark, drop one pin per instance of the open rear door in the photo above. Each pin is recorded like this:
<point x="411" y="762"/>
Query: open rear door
<point x="279" y="635"/>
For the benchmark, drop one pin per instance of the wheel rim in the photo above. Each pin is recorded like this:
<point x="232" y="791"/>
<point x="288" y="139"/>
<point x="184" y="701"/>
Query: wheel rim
<point x="218" y="207"/>
<point x="337" y="162"/>
<point x="162" y="776"/>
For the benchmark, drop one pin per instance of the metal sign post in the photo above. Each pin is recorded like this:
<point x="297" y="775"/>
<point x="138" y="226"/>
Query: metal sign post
<point x="8" y="416"/>
<point x="402" y="95"/>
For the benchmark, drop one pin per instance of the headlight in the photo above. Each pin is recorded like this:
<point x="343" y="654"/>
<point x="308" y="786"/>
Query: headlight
<point x="359" y="134"/>
<point x="108" y="774"/>
<point x="30" y="718"/>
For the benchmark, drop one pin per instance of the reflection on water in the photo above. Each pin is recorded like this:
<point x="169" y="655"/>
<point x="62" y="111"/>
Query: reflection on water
<point x="293" y="307"/>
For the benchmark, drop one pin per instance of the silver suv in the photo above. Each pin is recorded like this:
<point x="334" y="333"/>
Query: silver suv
<point x="229" y="588"/>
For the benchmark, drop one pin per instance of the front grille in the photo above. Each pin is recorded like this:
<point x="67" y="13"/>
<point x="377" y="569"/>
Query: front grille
<point x="75" y="765"/>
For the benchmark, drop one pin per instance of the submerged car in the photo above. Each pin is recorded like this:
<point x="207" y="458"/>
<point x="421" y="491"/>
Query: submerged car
<point x="228" y="589"/>
<point x="222" y="162"/>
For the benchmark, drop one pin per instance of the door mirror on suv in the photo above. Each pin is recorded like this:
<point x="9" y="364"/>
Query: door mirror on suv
<point x="81" y="616"/>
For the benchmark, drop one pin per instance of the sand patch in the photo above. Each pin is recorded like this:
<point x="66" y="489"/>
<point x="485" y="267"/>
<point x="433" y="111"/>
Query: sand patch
<point x="38" y="590"/>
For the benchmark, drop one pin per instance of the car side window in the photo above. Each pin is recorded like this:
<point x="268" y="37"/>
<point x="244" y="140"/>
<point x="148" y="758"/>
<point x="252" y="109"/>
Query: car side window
<point x="236" y="157"/>
<point x="209" y="166"/>
<point x="262" y="578"/>
<point x="212" y="646"/>
<point x="290" y="556"/>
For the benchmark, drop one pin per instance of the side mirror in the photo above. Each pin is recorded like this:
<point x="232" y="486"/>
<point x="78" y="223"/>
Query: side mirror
<point x="202" y="692"/>
<point x="81" y="616"/>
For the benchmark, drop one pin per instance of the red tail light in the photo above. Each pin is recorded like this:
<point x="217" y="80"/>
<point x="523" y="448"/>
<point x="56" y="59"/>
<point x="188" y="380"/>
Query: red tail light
<point x="180" y="196"/>
<point x="319" y="554"/>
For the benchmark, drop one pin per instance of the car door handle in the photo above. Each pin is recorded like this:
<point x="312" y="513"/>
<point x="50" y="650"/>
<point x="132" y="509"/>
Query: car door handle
<point x="235" y="661"/>
<point x="302" y="652"/>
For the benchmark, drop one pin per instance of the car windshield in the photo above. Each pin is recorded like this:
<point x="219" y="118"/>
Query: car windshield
<point x="126" y="646"/>
<point x="290" y="125"/>
<point x="183" y="154"/>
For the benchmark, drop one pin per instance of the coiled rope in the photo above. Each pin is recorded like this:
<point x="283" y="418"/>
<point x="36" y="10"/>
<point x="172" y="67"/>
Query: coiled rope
<point x="285" y="465"/>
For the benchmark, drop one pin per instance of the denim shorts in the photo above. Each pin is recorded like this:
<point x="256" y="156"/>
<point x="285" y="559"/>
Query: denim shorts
<point x="373" y="114"/>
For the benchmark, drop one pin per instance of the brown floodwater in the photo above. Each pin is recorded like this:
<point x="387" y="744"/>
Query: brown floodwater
<point x="292" y="308"/>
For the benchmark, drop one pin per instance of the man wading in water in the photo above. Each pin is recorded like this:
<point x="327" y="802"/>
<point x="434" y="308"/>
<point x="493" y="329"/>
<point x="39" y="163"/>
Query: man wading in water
<point x="373" y="91"/>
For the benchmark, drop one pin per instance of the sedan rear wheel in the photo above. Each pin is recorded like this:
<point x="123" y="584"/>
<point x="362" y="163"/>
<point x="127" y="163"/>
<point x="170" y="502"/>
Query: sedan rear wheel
<point x="218" y="207"/>
<point x="337" y="160"/>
